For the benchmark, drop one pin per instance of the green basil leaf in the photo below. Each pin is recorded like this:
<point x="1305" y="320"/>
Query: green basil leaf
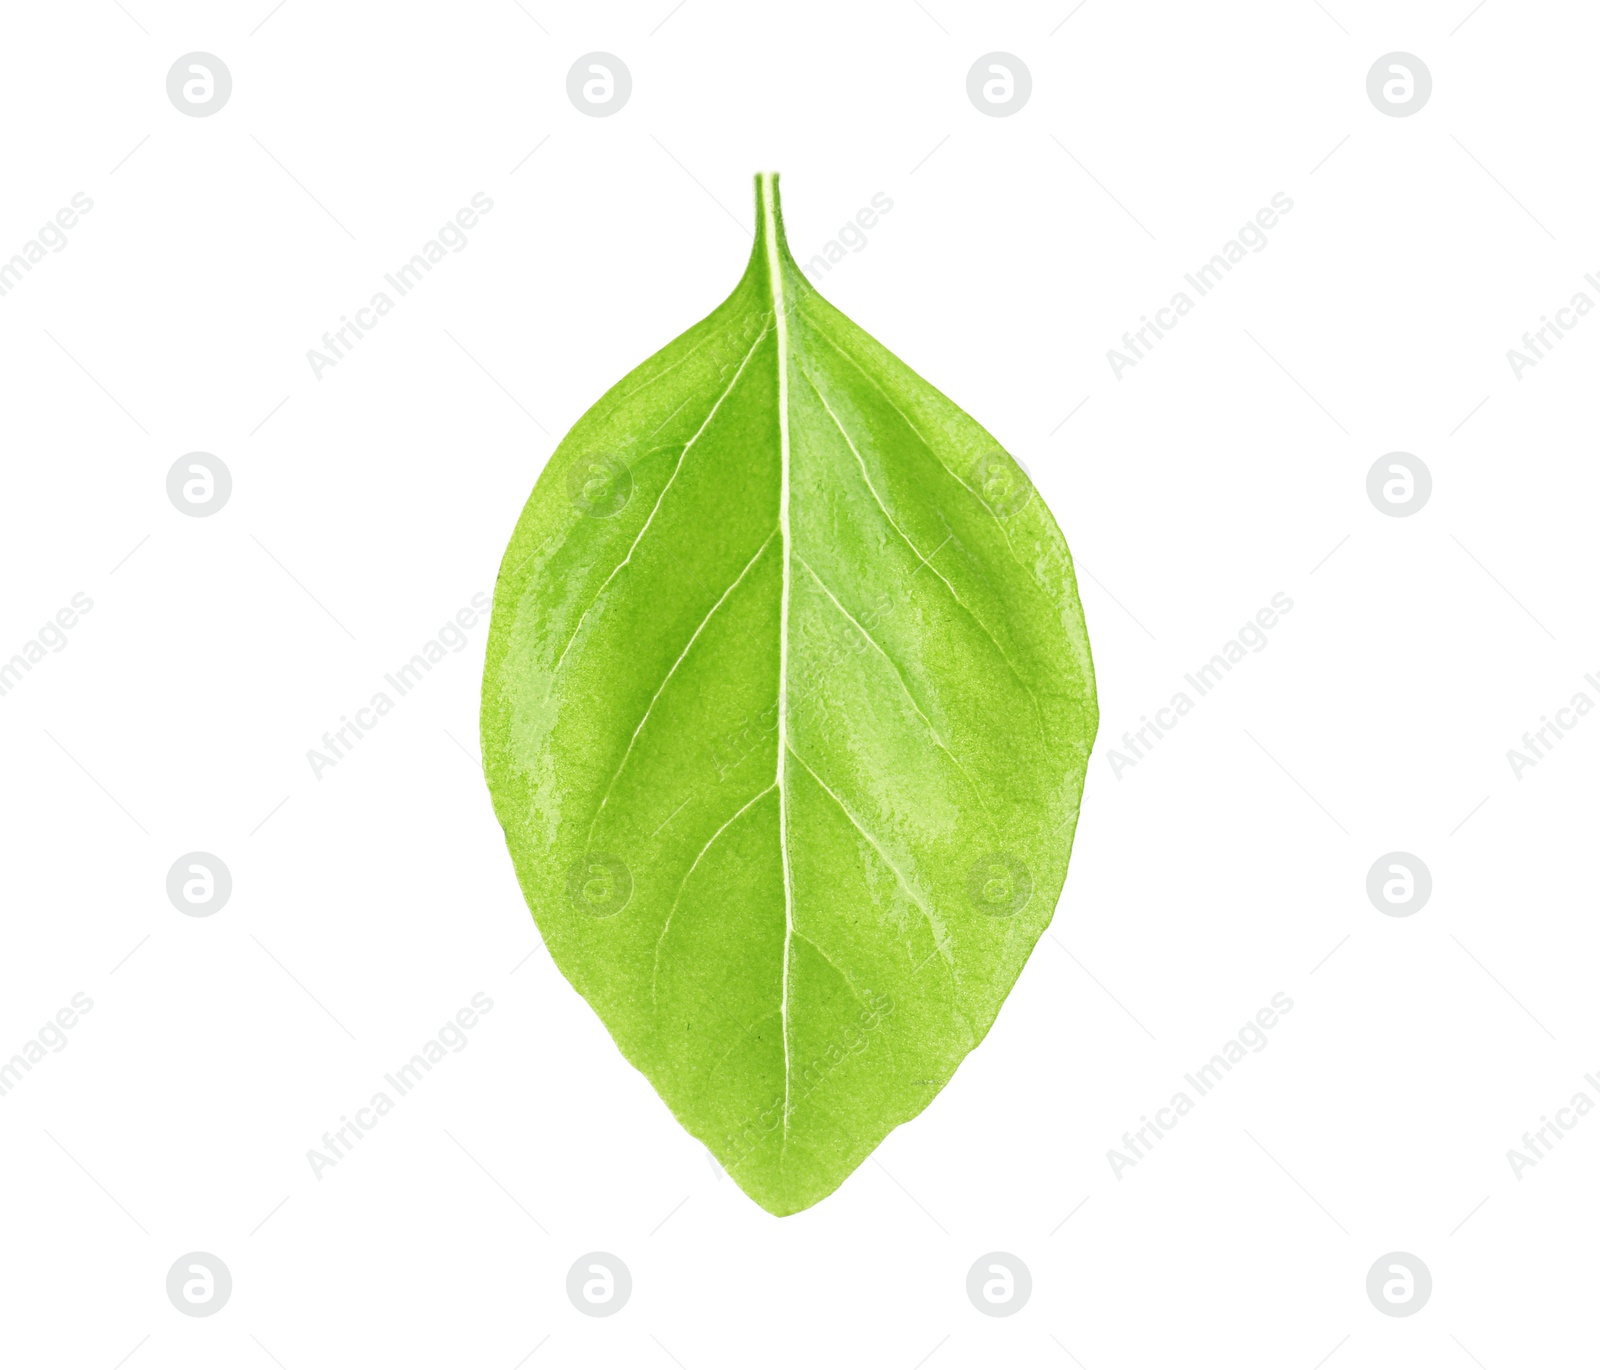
<point x="786" y="713"/>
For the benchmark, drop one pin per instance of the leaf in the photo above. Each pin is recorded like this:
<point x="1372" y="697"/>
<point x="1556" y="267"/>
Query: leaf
<point x="786" y="712"/>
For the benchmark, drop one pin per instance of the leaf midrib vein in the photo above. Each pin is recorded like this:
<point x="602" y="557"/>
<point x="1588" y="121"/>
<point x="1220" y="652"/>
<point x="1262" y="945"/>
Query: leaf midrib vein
<point x="780" y="314"/>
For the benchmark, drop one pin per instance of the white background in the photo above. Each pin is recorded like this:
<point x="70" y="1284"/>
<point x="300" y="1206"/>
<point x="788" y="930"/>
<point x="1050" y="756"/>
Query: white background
<point x="369" y="505"/>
